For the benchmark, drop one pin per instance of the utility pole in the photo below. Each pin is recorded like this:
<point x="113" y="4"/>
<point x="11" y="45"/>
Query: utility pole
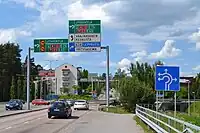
<point x="107" y="74"/>
<point x="188" y="81"/>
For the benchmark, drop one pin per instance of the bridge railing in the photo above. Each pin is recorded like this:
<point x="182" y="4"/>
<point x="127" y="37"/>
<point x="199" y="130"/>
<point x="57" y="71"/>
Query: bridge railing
<point x="162" y="123"/>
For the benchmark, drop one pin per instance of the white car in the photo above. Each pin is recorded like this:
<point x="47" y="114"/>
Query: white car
<point x="81" y="104"/>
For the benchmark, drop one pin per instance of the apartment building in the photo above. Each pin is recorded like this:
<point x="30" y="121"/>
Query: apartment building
<point x="67" y="76"/>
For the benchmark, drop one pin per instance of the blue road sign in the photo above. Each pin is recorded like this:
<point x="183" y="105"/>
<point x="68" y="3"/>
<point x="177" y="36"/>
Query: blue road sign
<point x="91" y="44"/>
<point x="71" y="47"/>
<point x="167" y="78"/>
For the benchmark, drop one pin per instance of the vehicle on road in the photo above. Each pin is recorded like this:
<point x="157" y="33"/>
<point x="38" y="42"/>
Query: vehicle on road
<point x="70" y="102"/>
<point x="40" y="102"/>
<point x="60" y="109"/>
<point x="14" y="104"/>
<point x="81" y="104"/>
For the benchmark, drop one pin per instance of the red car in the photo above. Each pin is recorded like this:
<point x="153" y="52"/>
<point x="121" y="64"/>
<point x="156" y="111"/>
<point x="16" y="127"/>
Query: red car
<point x="40" y="102"/>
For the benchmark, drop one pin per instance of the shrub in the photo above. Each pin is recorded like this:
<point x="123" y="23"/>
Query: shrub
<point x="76" y="97"/>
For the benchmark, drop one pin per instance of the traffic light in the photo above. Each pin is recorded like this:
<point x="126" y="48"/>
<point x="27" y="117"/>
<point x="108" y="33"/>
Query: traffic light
<point x="42" y="45"/>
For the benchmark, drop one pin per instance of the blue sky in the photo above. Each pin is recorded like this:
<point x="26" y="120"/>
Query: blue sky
<point x="167" y="32"/>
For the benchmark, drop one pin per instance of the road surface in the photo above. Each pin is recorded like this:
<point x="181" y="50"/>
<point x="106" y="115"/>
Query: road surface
<point x="81" y="122"/>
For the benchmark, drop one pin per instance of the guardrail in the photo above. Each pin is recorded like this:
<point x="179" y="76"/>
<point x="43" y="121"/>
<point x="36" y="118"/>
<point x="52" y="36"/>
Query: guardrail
<point x="162" y="123"/>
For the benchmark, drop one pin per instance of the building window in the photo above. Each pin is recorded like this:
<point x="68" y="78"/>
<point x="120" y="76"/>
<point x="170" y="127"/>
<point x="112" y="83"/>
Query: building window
<point x="65" y="84"/>
<point x="65" y="78"/>
<point x="65" y="72"/>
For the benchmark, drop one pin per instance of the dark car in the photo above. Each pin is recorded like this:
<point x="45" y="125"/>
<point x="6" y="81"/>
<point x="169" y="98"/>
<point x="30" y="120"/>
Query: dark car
<point x="60" y="109"/>
<point x="14" y="104"/>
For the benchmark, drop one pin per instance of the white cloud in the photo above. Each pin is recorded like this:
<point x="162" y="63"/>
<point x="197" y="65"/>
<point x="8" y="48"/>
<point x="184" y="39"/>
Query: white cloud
<point x="55" y="56"/>
<point x="195" y="37"/>
<point x="90" y="12"/>
<point x="197" y="68"/>
<point x="139" y="56"/>
<point x="104" y="63"/>
<point x="167" y="51"/>
<point x="12" y="35"/>
<point x="124" y="63"/>
<point x="62" y="56"/>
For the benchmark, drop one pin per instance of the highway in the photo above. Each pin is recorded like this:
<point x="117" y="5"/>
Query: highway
<point x="81" y="122"/>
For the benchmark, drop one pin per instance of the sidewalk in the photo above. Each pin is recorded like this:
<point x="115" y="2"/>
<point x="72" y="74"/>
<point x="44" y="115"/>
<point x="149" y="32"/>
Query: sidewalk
<point x="102" y="122"/>
<point x="16" y="112"/>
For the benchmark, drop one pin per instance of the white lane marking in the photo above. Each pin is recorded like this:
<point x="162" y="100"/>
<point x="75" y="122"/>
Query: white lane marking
<point x="38" y="118"/>
<point x="8" y="127"/>
<point x="26" y="122"/>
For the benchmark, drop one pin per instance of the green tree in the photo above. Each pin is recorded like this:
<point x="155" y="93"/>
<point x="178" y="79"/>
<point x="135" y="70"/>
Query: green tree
<point x="10" y="65"/>
<point x="132" y="92"/>
<point x="32" y="90"/>
<point x="19" y="88"/>
<point x="24" y="90"/>
<point x="65" y="90"/>
<point x="84" y="73"/>
<point x="12" y="89"/>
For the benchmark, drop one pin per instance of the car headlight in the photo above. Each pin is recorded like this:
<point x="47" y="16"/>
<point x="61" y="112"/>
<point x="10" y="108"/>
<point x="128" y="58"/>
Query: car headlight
<point x="7" y="104"/>
<point x="16" y="104"/>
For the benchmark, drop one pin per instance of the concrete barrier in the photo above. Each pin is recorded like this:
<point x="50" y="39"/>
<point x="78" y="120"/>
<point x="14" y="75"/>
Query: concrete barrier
<point x="22" y="112"/>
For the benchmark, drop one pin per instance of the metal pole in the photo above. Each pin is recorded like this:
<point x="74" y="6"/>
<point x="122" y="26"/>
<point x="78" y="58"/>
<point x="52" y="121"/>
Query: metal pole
<point x="156" y="101"/>
<point x="107" y="76"/>
<point x="188" y="97"/>
<point x="28" y="80"/>
<point x="92" y="84"/>
<point x="56" y="87"/>
<point x="175" y="104"/>
<point x="194" y="103"/>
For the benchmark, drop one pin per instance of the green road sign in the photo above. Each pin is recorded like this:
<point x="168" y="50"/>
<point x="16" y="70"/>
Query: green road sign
<point x="51" y="45"/>
<point x="84" y="26"/>
<point x="84" y="35"/>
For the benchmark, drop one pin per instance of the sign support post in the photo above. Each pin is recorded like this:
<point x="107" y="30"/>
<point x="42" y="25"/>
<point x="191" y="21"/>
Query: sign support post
<point x="107" y="74"/>
<point x="28" y="80"/>
<point x="174" y="104"/>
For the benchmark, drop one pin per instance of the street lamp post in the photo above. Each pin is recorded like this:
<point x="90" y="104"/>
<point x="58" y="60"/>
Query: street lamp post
<point x="188" y="81"/>
<point x="194" y="102"/>
<point x="50" y="64"/>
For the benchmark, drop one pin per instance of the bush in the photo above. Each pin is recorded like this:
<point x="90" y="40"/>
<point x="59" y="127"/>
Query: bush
<point x="76" y="97"/>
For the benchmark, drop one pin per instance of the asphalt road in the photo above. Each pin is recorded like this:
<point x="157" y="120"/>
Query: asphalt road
<point x="81" y="122"/>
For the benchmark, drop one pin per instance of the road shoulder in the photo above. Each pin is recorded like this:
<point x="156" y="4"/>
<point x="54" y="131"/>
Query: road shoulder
<point x="104" y="122"/>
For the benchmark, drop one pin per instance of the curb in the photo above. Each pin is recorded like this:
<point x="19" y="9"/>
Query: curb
<point x="23" y="112"/>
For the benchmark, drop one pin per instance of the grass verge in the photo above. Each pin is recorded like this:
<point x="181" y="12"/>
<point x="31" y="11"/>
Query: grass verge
<point x="116" y="109"/>
<point x="143" y="125"/>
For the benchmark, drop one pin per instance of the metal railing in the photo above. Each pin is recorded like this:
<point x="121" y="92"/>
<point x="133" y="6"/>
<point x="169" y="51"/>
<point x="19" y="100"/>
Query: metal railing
<point x="162" y="123"/>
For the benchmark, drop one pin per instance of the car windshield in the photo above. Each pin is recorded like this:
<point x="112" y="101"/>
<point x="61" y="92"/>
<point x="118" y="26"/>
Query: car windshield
<point x="12" y="101"/>
<point x="58" y="104"/>
<point x="81" y="101"/>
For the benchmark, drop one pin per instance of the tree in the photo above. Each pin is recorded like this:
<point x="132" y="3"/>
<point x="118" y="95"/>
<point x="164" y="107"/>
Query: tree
<point x="65" y="90"/>
<point x="32" y="90"/>
<point x="103" y="76"/>
<point x="12" y="89"/>
<point x="19" y="88"/>
<point x="24" y="90"/>
<point x="84" y="73"/>
<point x="10" y="65"/>
<point x="132" y="92"/>
<point x="119" y="74"/>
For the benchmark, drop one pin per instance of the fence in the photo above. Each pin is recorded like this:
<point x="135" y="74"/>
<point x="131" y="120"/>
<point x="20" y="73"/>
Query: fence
<point x="162" y="123"/>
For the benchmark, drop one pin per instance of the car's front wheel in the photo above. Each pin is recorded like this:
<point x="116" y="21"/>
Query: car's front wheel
<point x="49" y="116"/>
